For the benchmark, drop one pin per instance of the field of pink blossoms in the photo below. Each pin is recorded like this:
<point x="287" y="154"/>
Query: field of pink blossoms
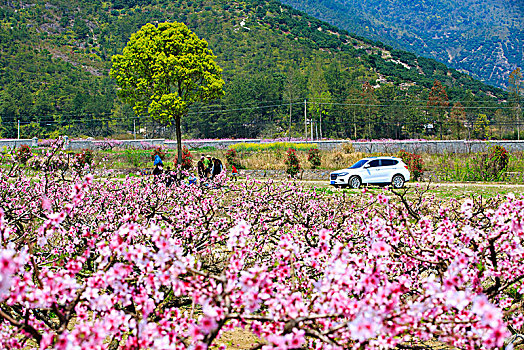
<point x="101" y="263"/>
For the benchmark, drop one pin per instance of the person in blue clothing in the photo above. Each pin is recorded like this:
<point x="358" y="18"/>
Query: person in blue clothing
<point x="157" y="161"/>
<point x="159" y="165"/>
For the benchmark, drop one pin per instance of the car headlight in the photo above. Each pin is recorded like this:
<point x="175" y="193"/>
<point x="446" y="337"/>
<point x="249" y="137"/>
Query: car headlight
<point x="342" y="174"/>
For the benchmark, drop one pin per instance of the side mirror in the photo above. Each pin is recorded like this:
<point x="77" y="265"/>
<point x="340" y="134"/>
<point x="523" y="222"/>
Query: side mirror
<point x="366" y="166"/>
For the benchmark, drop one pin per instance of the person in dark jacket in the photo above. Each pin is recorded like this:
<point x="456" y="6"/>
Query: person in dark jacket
<point x="201" y="168"/>
<point x="158" y="170"/>
<point x="170" y="177"/>
<point x="217" y="167"/>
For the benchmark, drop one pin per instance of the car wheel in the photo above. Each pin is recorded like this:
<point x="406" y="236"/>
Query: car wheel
<point x="355" y="182"/>
<point x="397" y="181"/>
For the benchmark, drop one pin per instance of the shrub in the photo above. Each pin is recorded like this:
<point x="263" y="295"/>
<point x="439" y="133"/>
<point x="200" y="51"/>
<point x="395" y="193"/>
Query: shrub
<point x="314" y="158"/>
<point x="497" y="161"/>
<point x="187" y="159"/>
<point x="23" y="154"/>
<point x="414" y="162"/>
<point x="133" y="157"/>
<point x="158" y="151"/>
<point x="292" y="162"/>
<point x="486" y="166"/>
<point x="36" y="163"/>
<point x="232" y="157"/>
<point x="50" y="162"/>
<point x="348" y="148"/>
<point x="84" y="157"/>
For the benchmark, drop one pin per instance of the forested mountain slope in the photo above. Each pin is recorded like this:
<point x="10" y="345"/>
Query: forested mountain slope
<point x="55" y="57"/>
<point x="482" y="37"/>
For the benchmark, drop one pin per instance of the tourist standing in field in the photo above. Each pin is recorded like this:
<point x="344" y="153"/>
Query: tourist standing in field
<point x="217" y="167"/>
<point x="159" y="165"/>
<point x="201" y="168"/>
<point x="234" y="172"/>
<point x="208" y="163"/>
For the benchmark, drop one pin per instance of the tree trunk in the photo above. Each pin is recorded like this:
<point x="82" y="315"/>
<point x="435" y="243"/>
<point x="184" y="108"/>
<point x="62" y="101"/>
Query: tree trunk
<point x="518" y="127"/>
<point x="178" y="146"/>
<point x="320" y="126"/>
<point x="289" y="131"/>
<point x="354" y="124"/>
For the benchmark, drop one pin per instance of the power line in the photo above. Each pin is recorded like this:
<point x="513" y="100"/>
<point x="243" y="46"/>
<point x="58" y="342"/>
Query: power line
<point x="416" y="100"/>
<point x="80" y="118"/>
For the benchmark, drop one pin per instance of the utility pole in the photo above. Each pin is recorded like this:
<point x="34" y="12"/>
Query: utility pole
<point x="134" y="128"/>
<point x="320" y="124"/>
<point x="289" y="130"/>
<point x="311" y="122"/>
<point x="305" y="119"/>
<point x="19" y="129"/>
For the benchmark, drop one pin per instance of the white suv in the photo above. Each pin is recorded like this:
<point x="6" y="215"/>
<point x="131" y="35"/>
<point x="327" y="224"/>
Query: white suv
<point x="373" y="170"/>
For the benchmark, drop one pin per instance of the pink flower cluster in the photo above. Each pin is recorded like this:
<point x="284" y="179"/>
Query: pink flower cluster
<point x="129" y="264"/>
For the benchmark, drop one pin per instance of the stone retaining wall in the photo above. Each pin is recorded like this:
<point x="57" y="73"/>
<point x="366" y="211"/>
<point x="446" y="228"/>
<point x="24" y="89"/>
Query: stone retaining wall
<point x="13" y="143"/>
<point x="382" y="146"/>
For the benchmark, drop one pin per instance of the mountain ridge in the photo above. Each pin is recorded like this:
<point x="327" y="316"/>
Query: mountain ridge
<point x="481" y="38"/>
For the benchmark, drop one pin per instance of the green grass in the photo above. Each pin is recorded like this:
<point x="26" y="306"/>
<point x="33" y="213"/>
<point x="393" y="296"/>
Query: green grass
<point x="444" y="191"/>
<point x="203" y="149"/>
<point x="460" y="191"/>
<point x="252" y="147"/>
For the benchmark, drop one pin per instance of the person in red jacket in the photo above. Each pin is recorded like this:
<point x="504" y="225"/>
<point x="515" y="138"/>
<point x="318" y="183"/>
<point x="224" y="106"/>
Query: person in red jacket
<point x="234" y="172"/>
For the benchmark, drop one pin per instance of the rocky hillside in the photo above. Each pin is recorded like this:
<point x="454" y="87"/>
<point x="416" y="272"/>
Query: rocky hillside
<point x="484" y="38"/>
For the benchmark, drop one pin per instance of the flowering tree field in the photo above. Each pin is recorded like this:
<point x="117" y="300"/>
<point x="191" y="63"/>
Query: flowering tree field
<point x="105" y="263"/>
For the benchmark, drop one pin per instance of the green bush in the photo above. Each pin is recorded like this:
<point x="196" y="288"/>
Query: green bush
<point x="496" y="163"/>
<point x="23" y="154"/>
<point x="314" y="158"/>
<point x="486" y="166"/>
<point x="292" y="163"/>
<point x="232" y="158"/>
<point x="414" y="162"/>
<point x="187" y="159"/>
<point x="158" y="151"/>
<point x="133" y="157"/>
<point x="84" y="157"/>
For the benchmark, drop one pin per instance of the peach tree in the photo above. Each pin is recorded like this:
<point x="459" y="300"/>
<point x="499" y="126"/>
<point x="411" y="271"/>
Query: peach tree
<point x="128" y="264"/>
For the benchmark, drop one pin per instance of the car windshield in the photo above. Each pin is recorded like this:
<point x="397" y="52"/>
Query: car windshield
<point x="359" y="164"/>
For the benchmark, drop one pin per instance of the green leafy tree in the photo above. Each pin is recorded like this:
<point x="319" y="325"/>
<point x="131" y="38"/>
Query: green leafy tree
<point x="164" y="70"/>
<point x="392" y="115"/>
<point x="480" y="127"/>
<point x="437" y="105"/>
<point x="457" y="119"/>
<point x="318" y="94"/>
<point x="354" y="111"/>
<point x="292" y="90"/>
<point x="369" y="101"/>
